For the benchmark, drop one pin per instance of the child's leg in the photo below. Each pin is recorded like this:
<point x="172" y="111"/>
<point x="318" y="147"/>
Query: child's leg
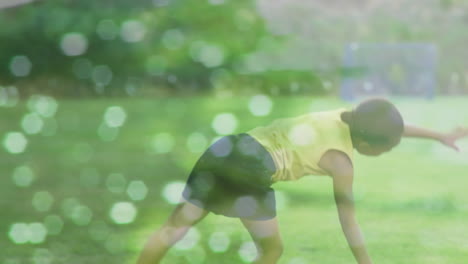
<point x="182" y="218"/>
<point x="267" y="240"/>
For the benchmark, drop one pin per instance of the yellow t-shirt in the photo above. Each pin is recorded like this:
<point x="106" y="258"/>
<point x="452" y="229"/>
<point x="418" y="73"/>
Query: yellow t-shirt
<point x="297" y="144"/>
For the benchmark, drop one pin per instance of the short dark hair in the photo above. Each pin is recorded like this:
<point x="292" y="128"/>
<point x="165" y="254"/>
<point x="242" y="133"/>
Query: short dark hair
<point x="375" y="121"/>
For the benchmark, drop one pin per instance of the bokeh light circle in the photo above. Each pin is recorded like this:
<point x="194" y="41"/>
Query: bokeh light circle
<point x="172" y="192"/>
<point x="116" y="183"/>
<point x="189" y="241"/>
<point x="219" y="242"/>
<point x="115" y="116"/>
<point x="197" y="255"/>
<point x="260" y="105"/>
<point x="68" y="206"/>
<point x="248" y="251"/>
<point x="107" y="133"/>
<point x="20" y="66"/>
<point x="19" y="233"/>
<point x="137" y="190"/>
<point x="42" y="201"/>
<point x="9" y="96"/>
<point x="81" y="215"/>
<point x="22" y="233"/>
<point x="196" y="142"/>
<point x="44" y="105"/>
<point x="15" y="142"/>
<point x="102" y="75"/>
<point x="53" y="224"/>
<point x="302" y="135"/>
<point x="173" y="39"/>
<point x="133" y="31"/>
<point x="38" y="233"/>
<point x="32" y="123"/>
<point x="163" y="142"/>
<point x="211" y="56"/>
<point x="74" y="44"/>
<point x="224" y="123"/>
<point x="107" y="29"/>
<point x="123" y="213"/>
<point x="23" y="176"/>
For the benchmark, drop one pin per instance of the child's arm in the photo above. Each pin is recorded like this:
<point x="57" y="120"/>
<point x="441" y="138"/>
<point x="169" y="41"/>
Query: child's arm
<point x="447" y="139"/>
<point x="342" y="173"/>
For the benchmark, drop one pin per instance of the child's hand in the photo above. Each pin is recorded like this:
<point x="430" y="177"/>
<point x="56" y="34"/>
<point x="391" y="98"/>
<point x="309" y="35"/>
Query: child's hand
<point x="450" y="138"/>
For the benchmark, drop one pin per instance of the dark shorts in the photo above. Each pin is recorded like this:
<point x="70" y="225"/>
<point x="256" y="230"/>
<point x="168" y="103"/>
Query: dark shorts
<point x="233" y="178"/>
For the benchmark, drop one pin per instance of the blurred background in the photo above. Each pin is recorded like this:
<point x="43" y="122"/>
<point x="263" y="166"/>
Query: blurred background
<point x="106" y="105"/>
<point x="169" y="47"/>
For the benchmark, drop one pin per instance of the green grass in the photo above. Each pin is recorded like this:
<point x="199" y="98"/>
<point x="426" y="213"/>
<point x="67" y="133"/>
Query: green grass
<point x="412" y="203"/>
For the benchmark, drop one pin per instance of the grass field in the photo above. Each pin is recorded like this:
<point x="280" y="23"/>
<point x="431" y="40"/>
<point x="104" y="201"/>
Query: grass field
<point x="92" y="182"/>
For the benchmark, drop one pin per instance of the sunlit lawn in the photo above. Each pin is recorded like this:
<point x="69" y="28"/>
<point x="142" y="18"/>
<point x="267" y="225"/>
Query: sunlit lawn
<point x="82" y="176"/>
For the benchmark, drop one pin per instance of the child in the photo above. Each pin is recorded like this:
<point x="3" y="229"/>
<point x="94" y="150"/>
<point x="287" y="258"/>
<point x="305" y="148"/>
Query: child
<point x="234" y="176"/>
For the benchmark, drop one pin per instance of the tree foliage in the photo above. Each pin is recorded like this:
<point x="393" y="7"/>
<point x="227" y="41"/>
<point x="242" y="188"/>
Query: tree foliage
<point x="174" y="45"/>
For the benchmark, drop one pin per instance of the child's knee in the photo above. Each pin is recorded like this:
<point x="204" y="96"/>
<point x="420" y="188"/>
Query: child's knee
<point x="186" y="215"/>
<point x="191" y="213"/>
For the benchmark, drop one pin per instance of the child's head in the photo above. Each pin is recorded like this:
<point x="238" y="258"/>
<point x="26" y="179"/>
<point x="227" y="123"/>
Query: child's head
<point x="376" y="126"/>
